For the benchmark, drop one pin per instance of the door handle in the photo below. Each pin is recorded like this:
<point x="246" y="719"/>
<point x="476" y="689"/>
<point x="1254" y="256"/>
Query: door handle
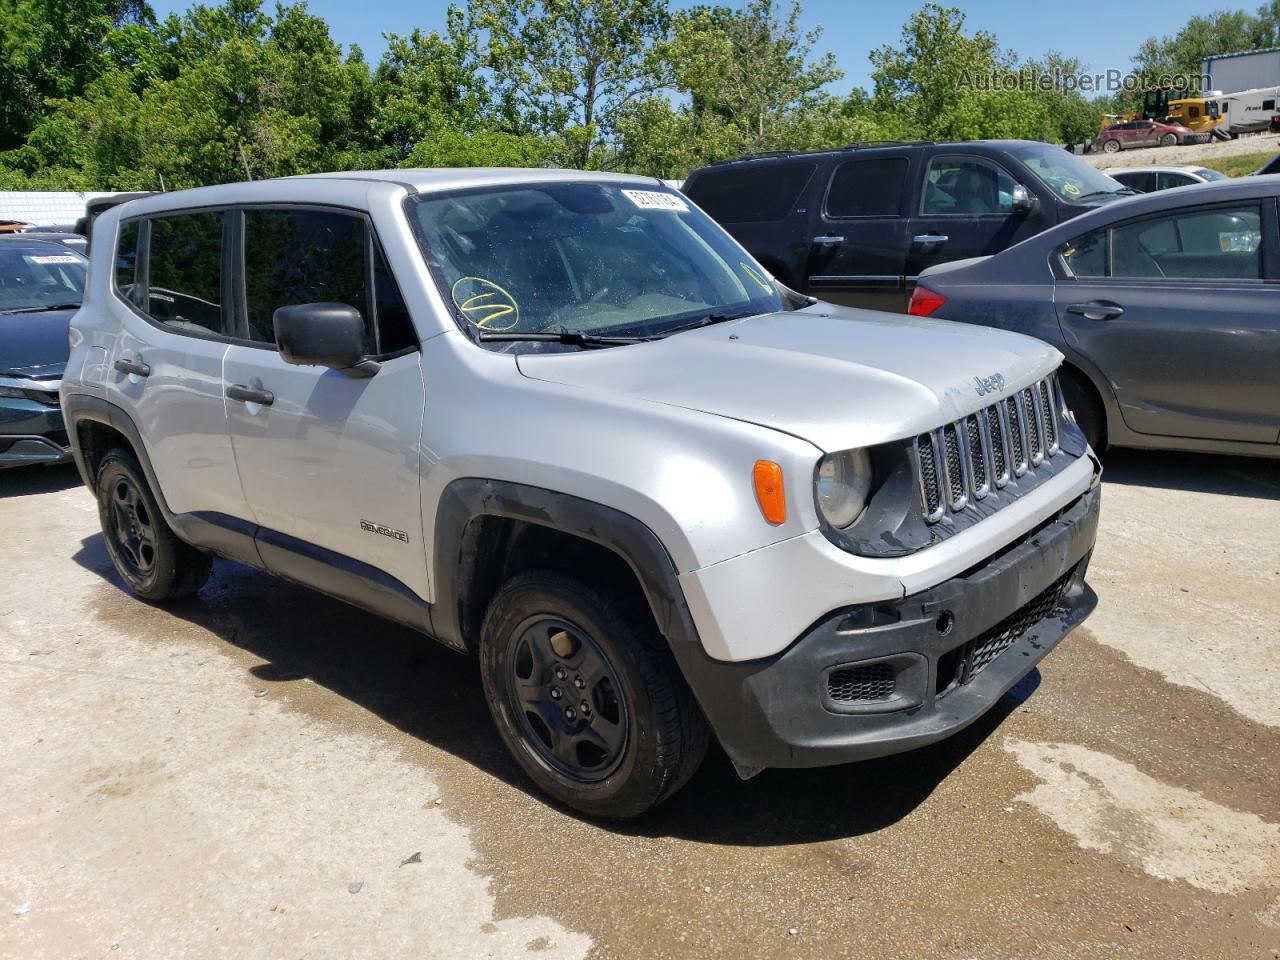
<point x="238" y="391"/>
<point x="1096" y="311"/>
<point x="825" y="240"/>
<point x="930" y="238"/>
<point x="135" y="367"/>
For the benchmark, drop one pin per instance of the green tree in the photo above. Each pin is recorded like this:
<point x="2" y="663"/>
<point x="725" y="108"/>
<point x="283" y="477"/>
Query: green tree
<point x="569" y="68"/>
<point x="52" y="49"/>
<point x="949" y="85"/>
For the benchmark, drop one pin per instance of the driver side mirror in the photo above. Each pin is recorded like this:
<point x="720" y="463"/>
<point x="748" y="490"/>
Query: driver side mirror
<point x="1024" y="201"/>
<point x="323" y="335"/>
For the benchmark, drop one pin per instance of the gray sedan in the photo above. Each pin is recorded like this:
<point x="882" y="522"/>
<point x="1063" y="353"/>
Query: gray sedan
<point x="1167" y="307"/>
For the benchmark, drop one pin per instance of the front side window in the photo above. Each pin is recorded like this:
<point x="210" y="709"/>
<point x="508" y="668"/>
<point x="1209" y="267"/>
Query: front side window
<point x="1087" y="257"/>
<point x="36" y="277"/>
<point x="869" y="187"/>
<point x="302" y="256"/>
<point x="184" y="272"/>
<point x="599" y="258"/>
<point x="1223" y="244"/>
<point x="963" y="186"/>
<point x="320" y="256"/>
<point x="1166" y="180"/>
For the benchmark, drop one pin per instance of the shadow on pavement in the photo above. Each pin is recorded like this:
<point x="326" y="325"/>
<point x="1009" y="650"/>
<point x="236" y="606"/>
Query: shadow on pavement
<point x="27" y="481"/>
<point x="1196" y="472"/>
<point x="434" y="695"/>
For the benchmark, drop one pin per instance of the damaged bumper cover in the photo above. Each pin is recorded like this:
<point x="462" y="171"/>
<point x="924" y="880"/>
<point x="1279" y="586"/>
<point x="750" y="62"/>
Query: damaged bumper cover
<point x="879" y="678"/>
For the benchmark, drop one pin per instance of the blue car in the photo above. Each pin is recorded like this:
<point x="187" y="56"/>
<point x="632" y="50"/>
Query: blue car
<point x="41" y="286"/>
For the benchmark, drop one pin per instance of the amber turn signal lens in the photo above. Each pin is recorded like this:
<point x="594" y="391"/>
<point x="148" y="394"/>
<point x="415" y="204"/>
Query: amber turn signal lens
<point x="769" y="492"/>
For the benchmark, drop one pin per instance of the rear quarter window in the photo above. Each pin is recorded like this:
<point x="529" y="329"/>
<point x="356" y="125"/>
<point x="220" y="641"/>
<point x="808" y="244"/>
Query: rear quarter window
<point x="750" y="194"/>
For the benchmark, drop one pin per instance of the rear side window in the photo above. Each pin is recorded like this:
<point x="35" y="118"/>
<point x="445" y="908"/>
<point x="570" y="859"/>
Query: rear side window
<point x="1143" y="182"/>
<point x="127" y="280"/>
<point x="749" y="193"/>
<point x="184" y="272"/>
<point x="1166" y="180"/>
<point x="869" y="187"/>
<point x="321" y="256"/>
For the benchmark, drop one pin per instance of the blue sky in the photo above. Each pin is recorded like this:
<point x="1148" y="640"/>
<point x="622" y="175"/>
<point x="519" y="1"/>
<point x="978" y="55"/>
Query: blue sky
<point x="1103" y="33"/>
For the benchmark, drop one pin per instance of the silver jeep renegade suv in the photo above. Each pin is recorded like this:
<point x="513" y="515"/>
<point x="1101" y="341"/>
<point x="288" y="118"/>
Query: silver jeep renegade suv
<point x="564" y="422"/>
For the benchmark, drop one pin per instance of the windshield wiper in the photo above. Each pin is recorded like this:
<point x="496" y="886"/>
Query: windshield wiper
<point x="708" y="320"/>
<point x="51" y="306"/>
<point x="573" y="338"/>
<point x="1122" y="192"/>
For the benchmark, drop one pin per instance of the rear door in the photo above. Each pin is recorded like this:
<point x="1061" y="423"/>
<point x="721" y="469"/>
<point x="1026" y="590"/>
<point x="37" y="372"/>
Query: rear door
<point x="1178" y="311"/>
<point x="328" y="462"/>
<point x="171" y="304"/>
<point x="859" y="242"/>
<point x="965" y="210"/>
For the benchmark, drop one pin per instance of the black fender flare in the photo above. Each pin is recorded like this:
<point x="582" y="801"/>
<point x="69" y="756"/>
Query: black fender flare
<point x="468" y="499"/>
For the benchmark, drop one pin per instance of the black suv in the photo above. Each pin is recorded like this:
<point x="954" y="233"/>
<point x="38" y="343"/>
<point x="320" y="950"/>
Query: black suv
<point x="857" y="225"/>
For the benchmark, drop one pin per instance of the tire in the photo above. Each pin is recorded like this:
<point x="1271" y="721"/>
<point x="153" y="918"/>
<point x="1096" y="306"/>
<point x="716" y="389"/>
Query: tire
<point x="1169" y="140"/>
<point x="1083" y="401"/>
<point x="1111" y="146"/>
<point x="633" y="734"/>
<point x="149" y="557"/>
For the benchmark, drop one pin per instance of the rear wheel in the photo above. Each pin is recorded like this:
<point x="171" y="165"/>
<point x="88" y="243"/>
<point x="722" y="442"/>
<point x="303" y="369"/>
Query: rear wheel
<point x="1169" y="140"/>
<point x="1111" y="146"/>
<point x="587" y="696"/>
<point x="154" y="563"/>
<point x="1083" y="401"/>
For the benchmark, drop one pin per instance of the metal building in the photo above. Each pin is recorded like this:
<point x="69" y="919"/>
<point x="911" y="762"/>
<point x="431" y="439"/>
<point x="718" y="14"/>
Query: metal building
<point x="1233" y="72"/>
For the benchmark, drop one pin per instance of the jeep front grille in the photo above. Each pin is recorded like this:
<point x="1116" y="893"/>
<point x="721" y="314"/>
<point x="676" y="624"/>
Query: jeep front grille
<point x="960" y="463"/>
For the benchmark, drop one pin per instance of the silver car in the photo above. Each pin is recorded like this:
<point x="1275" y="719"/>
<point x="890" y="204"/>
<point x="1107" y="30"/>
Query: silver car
<point x="563" y="422"/>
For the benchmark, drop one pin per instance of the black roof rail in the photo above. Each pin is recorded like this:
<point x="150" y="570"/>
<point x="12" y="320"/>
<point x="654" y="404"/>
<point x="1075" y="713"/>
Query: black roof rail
<point x="864" y="144"/>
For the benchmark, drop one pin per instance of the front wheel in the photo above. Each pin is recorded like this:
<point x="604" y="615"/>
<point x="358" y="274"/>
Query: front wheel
<point x="586" y="695"/>
<point x="1111" y="146"/>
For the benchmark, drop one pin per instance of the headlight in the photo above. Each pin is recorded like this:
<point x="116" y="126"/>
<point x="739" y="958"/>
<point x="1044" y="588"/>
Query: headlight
<point x="842" y="485"/>
<point x="13" y="392"/>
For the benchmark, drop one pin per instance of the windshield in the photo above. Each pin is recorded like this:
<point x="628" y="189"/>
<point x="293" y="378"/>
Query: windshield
<point x="1211" y="175"/>
<point x="32" y="277"/>
<point x="1066" y="174"/>
<point x="603" y="259"/>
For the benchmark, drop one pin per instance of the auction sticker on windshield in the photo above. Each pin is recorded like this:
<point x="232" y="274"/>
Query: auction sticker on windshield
<point x="54" y="259"/>
<point x="653" y="200"/>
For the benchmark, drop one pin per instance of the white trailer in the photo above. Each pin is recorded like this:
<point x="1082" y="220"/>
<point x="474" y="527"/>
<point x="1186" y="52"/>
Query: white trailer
<point x="1249" y="110"/>
<point x="42" y="208"/>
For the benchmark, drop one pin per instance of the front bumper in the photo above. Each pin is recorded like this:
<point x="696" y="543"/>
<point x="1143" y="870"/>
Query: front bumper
<point x="924" y="667"/>
<point x="31" y="433"/>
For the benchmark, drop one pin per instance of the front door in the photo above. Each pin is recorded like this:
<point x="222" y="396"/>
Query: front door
<point x="328" y="461"/>
<point x="860" y="233"/>
<point x="966" y="210"/>
<point x="1178" y="311"/>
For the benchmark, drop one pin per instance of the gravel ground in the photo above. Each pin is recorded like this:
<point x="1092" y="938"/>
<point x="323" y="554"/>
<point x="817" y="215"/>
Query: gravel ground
<point x="1191" y="153"/>
<point x="262" y="772"/>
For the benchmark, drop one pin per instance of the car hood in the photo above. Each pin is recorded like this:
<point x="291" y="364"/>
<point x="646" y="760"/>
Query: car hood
<point x="834" y="376"/>
<point x="34" y="344"/>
